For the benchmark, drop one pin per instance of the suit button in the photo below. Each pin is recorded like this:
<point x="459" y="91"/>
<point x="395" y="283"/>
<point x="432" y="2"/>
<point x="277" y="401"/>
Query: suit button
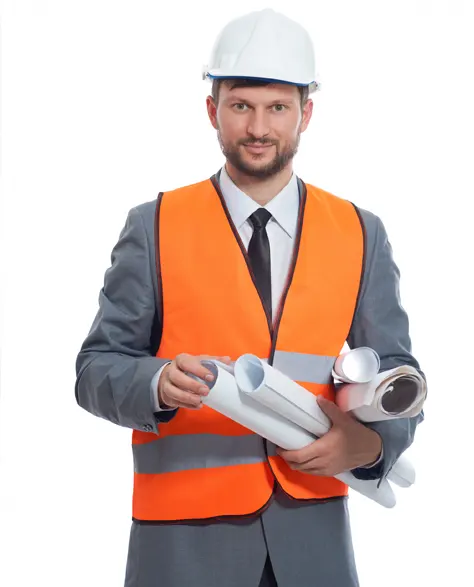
<point x="148" y="427"/>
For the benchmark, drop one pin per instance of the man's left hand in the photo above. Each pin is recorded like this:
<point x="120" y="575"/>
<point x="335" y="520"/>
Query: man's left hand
<point x="347" y="445"/>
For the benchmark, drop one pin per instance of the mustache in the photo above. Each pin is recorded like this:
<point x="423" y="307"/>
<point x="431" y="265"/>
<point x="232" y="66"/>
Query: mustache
<point x="257" y="142"/>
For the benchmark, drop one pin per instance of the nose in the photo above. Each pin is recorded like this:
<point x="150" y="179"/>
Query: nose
<point x="258" y="126"/>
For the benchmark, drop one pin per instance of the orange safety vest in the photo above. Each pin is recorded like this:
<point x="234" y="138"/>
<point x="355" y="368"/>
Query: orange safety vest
<point x="202" y="465"/>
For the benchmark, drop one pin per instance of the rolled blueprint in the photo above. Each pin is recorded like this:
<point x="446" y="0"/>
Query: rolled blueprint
<point x="358" y="365"/>
<point x="225" y="397"/>
<point x="286" y="398"/>
<point x="271" y="388"/>
<point x="397" y="393"/>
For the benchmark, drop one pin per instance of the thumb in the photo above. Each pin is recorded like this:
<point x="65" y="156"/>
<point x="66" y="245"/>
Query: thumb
<point x="225" y="359"/>
<point x="332" y="411"/>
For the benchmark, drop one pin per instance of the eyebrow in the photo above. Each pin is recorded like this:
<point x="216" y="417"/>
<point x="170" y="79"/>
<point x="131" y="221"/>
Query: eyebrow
<point x="272" y="103"/>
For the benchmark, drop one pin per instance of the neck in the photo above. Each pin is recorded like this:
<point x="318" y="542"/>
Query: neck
<point x="261" y="190"/>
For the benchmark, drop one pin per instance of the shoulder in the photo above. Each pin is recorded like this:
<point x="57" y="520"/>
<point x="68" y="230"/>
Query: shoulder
<point x="372" y="225"/>
<point x="144" y="214"/>
<point x="141" y="220"/>
<point x="145" y="209"/>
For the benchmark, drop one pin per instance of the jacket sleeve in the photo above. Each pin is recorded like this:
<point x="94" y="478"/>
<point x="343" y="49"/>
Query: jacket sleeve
<point x="117" y="362"/>
<point x="380" y="322"/>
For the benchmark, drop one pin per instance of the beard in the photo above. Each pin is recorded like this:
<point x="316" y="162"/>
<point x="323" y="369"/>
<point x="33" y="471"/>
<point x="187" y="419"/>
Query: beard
<point x="232" y="152"/>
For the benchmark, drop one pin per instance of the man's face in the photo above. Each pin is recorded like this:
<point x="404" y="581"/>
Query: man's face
<point x="269" y="116"/>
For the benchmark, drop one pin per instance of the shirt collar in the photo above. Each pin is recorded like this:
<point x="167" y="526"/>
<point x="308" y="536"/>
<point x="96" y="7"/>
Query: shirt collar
<point x="283" y="207"/>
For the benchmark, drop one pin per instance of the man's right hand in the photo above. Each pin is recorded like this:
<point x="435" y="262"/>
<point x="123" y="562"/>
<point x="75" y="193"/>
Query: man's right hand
<point x="178" y="390"/>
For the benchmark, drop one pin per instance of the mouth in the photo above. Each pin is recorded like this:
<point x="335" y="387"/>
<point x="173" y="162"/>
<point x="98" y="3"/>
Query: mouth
<point x="255" y="148"/>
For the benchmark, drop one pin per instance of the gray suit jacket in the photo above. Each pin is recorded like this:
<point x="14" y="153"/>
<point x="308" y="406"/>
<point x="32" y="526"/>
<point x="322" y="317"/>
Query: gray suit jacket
<point x="114" y="368"/>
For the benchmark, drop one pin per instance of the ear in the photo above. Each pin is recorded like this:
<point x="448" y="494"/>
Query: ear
<point x="212" y="111"/>
<point x="307" y="114"/>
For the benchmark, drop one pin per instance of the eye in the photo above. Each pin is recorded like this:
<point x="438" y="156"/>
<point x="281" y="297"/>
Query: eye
<point x="281" y="107"/>
<point x="239" y="104"/>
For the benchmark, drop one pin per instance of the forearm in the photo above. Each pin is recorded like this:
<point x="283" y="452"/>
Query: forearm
<point x="397" y="435"/>
<point x="116" y="387"/>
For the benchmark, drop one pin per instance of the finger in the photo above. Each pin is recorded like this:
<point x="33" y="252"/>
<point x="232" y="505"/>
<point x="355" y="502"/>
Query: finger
<point x="313" y="450"/>
<point x="191" y="364"/>
<point x="188" y="407"/>
<point x="308" y="465"/>
<point x="186" y="383"/>
<point x="321" y="447"/>
<point x="175" y="397"/>
<point x="317" y="463"/>
<point x="326" y="466"/>
<point x="332" y="411"/>
<point x="316" y="466"/>
<point x="297" y="462"/>
<point x="175" y="404"/>
<point x="226" y="360"/>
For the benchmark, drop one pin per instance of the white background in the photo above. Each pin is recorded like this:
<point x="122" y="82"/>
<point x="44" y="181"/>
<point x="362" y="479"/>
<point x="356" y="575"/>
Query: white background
<point x="103" y="106"/>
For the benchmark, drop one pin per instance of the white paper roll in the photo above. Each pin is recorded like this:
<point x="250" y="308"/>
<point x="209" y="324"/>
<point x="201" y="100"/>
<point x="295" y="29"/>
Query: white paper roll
<point x="397" y="393"/>
<point x="358" y="365"/>
<point x="279" y="393"/>
<point x="268" y="386"/>
<point x="225" y="397"/>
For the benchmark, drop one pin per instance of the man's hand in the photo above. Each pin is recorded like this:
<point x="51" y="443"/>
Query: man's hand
<point x="347" y="445"/>
<point x="177" y="390"/>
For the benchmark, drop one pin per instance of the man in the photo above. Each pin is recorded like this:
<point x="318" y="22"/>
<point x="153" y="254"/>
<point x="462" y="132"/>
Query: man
<point x="252" y="260"/>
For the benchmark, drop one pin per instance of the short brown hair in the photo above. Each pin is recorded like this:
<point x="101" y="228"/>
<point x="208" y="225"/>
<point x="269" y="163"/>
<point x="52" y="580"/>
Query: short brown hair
<point x="252" y="83"/>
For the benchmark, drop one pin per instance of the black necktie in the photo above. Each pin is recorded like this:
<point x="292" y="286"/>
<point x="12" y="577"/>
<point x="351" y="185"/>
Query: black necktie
<point x="259" y="255"/>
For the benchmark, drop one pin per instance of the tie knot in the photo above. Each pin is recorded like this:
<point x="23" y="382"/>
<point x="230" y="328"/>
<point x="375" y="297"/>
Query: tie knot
<point x="260" y="218"/>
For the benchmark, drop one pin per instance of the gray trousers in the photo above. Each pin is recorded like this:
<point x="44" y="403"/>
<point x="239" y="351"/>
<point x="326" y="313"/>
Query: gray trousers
<point x="309" y="545"/>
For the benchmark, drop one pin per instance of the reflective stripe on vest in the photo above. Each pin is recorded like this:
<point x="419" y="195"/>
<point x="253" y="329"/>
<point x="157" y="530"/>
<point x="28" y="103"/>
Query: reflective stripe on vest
<point x="184" y="452"/>
<point x="304" y="367"/>
<point x="203" y="465"/>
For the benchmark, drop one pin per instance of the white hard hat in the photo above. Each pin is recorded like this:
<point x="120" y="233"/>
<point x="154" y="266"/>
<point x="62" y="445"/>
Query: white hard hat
<point x="264" y="45"/>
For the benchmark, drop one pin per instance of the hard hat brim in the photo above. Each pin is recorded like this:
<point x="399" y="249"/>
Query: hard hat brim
<point x="313" y="85"/>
